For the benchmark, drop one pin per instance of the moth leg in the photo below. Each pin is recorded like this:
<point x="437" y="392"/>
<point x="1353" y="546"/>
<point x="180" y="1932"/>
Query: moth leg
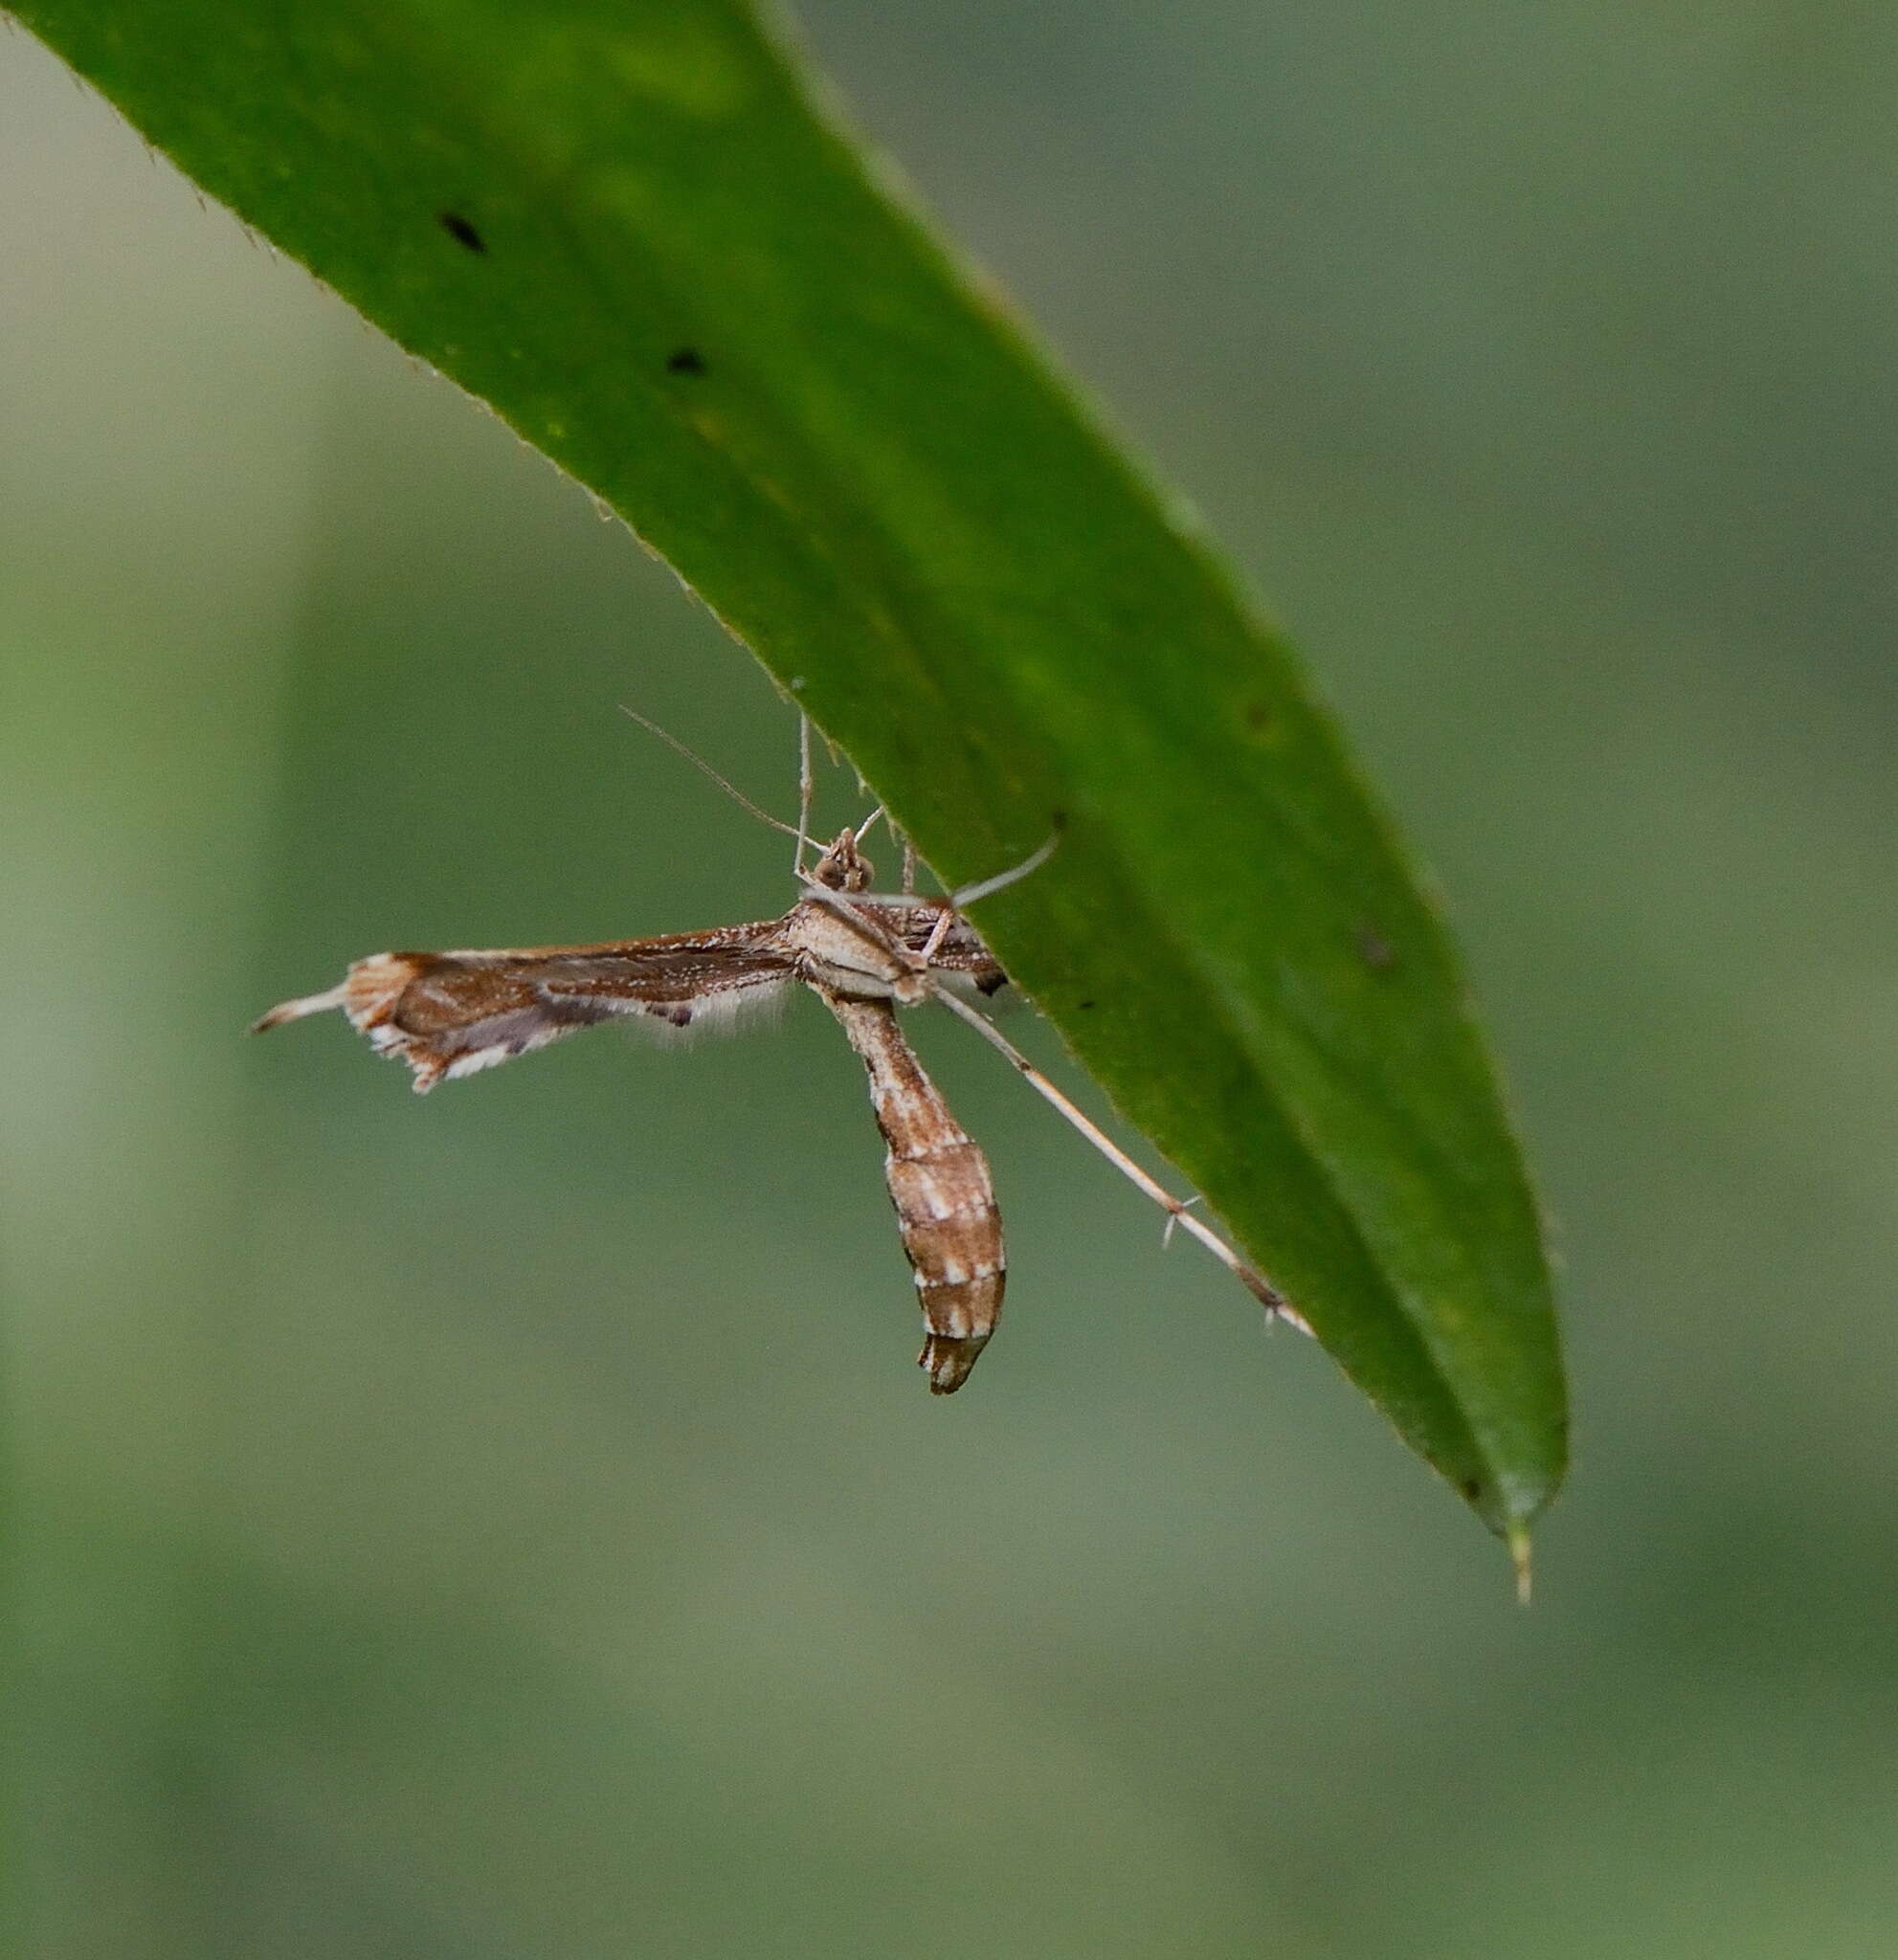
<point x="807" y="789"/>
<point x="1177" y="1211"/>
<point x="1172" y="1219"/>
<point x="938" y="932"/>
<point x="987" y="887"/>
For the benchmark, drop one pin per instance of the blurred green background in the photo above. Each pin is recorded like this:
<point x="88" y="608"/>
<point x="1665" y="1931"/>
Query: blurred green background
<point x="509" y="1525"/>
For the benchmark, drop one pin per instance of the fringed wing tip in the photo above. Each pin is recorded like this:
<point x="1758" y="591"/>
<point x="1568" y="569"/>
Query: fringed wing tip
<point x="296" y="1009"/>
<point x="368" y="994"/>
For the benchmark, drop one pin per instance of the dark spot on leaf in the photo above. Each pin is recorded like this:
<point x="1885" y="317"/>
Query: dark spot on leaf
<point x="1258" y="717"/>
<point x="1083" y="1003"/>
<point x="1472" y="1488"/>
<point x="685" y="361"/>
<point x="1375" y="949"/>
<point x="461" y="231"/>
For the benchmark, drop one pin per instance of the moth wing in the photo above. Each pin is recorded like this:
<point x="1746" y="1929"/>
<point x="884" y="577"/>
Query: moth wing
<point x="452" y="1013"/>
<point x="959" y="954"/>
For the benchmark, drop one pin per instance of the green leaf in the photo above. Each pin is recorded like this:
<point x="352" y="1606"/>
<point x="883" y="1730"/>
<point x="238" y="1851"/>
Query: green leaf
<point x="627" y="225"/>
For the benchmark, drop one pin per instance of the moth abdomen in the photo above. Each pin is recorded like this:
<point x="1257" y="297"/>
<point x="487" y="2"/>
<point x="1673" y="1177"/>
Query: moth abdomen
<point x="940" y="1186"/>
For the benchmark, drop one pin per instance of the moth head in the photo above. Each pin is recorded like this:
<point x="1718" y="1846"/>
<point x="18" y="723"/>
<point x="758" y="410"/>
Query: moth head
<point x="844" y="867"/>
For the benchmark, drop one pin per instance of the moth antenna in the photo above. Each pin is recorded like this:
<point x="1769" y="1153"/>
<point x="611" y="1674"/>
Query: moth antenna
<point x="699" y="762"/>
<point x="973" y="894"/>
<point x="864" y="828"/>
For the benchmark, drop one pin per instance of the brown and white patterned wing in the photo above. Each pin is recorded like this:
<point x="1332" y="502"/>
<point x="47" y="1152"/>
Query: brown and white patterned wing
<point x="449" y="1015"/>
<point x="959" y="953"/>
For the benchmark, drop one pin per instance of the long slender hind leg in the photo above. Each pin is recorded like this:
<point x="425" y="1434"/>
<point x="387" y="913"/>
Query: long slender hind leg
<point x="807" y="789"/>
<point x="1178" y="1209"/>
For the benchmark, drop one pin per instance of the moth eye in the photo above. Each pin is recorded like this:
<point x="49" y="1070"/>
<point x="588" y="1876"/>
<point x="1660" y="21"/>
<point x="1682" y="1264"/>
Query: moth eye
<point x="678" y="1016"/>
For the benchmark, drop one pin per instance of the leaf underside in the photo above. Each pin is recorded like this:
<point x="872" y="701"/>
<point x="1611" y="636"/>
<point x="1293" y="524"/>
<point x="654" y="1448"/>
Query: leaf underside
<point x="631" y="230"/>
